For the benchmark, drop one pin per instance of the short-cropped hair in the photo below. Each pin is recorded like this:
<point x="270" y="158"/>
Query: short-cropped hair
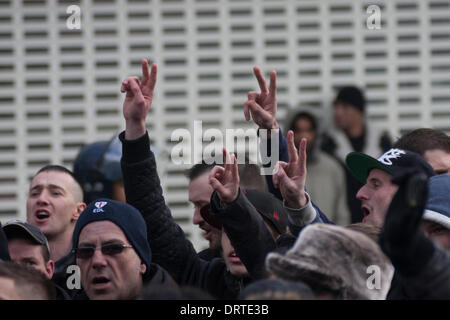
<point x="31" y="284"/>
<point x="424" y="139"/>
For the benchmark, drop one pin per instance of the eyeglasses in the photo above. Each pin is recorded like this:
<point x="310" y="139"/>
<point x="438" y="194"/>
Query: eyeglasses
<point x="109" y="249"/>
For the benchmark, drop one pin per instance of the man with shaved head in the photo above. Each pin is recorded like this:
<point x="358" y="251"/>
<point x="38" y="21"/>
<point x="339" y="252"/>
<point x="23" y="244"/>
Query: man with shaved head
<point x="54" y="203"/>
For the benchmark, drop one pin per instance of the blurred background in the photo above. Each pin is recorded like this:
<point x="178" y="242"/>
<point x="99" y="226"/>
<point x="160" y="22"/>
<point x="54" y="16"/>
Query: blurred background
<point x="60" y="87"/>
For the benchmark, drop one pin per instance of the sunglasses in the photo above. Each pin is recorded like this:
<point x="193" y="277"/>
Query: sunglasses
<point x="110" y="249"/>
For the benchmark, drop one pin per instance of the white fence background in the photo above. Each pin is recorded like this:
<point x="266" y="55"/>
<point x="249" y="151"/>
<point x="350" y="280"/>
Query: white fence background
<point x="59" y="88"/>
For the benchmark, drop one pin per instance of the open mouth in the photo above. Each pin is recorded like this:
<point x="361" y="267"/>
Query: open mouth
<point x="100" y="282"/>
<point x="207" y="231"/>
<point x="207" y="234"/>
<point x="365" y="211"/>
<point x="42" y="215"/>
<point x="234" y="258"/>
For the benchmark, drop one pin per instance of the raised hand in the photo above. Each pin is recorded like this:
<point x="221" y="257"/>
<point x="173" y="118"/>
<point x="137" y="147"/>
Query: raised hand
<point x="401" y="239"/>
<point x="290" y="177"/>
<point x="226" y="180"/>
<point x="262" y="106"/>
<point x="138" y="100"/>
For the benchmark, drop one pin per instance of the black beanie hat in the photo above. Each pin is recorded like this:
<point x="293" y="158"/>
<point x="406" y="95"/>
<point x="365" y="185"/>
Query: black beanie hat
<point x="352" y="96"/>
<point x="126" y="217"/>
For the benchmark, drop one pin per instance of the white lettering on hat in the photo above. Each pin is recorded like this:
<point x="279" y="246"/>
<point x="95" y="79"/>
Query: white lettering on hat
<point x="391" y="154"/>
<point x="99" y="205"/>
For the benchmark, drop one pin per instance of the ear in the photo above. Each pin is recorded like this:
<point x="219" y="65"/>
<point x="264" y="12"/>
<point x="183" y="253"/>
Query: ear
<point x="50" y="268"/>
<point x="142" y="268"/>
<point x="80" y="208"/>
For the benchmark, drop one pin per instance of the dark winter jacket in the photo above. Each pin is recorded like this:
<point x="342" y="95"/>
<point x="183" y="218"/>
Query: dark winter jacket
<point x="61" y="275"/>
<point x="209" y="254"/>
<point x="431" y="283"/>
<point x="170" y="248"/>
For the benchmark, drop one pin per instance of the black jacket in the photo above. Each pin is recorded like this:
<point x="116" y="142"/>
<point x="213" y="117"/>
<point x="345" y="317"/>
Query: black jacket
<point x="60" y="277"/>
<point x="209" y="254"/>
<point x="170" y="248"/>
<point x="431" y="283"/>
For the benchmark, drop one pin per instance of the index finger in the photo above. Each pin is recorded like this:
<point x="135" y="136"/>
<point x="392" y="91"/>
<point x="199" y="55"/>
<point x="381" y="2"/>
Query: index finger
<point x="145" y="72"/>
<point x="302" y="153"/>
<point x="260" y="78"/>
<point x="153" y="77"/>
<point x="216" y="172"/>
<point x="148" y="78"/>
<point x="292" y="150"/>
<point x="227" y="157"/>
<point x="235" y="169"/>
<point x="273" y="83"/>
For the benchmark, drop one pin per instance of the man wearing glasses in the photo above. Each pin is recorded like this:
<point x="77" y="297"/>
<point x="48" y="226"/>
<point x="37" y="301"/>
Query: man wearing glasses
<point x="112" y="252"/>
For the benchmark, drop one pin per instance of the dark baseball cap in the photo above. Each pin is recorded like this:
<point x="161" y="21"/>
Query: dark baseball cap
<point x="393" y="161"/>
<point x="4" y="252"/>
<point x="267" y="205"/>
<point x="14" y="227"/>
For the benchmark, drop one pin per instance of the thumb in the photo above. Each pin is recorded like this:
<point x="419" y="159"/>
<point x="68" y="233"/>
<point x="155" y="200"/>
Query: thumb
<point x="254" y="107"/>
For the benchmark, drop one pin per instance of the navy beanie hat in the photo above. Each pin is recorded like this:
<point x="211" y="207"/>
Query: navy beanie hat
<point x="126" y="217"/>
<point x="352" y="96"/>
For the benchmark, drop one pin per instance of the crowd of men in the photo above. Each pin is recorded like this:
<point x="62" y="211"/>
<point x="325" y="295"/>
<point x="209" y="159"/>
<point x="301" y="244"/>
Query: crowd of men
<point x="346" y="214"/>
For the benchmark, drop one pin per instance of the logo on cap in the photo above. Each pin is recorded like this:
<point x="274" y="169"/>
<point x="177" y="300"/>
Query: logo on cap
<point x="275" y="215"/>
<point x="99" y="205"/>
<point x="391" y="154"/>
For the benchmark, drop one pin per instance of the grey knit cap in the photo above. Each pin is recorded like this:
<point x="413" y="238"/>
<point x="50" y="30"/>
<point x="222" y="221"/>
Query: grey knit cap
<point x="337" y="259"/>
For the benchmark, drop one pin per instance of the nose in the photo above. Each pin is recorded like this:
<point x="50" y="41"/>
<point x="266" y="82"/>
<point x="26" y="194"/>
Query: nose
<point x="43" y="198"/>
<point x="362" y="193"/>
<point x="197" y="218"/>
<point x="98" y="260"/>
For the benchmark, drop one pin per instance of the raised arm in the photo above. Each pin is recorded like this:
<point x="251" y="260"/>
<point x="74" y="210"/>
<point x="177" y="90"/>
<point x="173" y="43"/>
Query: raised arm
<point x="138" y="100"/>
<point x="262" y="108"/>
<point x="170" y="248"/>
<point x="241" y="222"/>
<point x="290" y="178"/>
